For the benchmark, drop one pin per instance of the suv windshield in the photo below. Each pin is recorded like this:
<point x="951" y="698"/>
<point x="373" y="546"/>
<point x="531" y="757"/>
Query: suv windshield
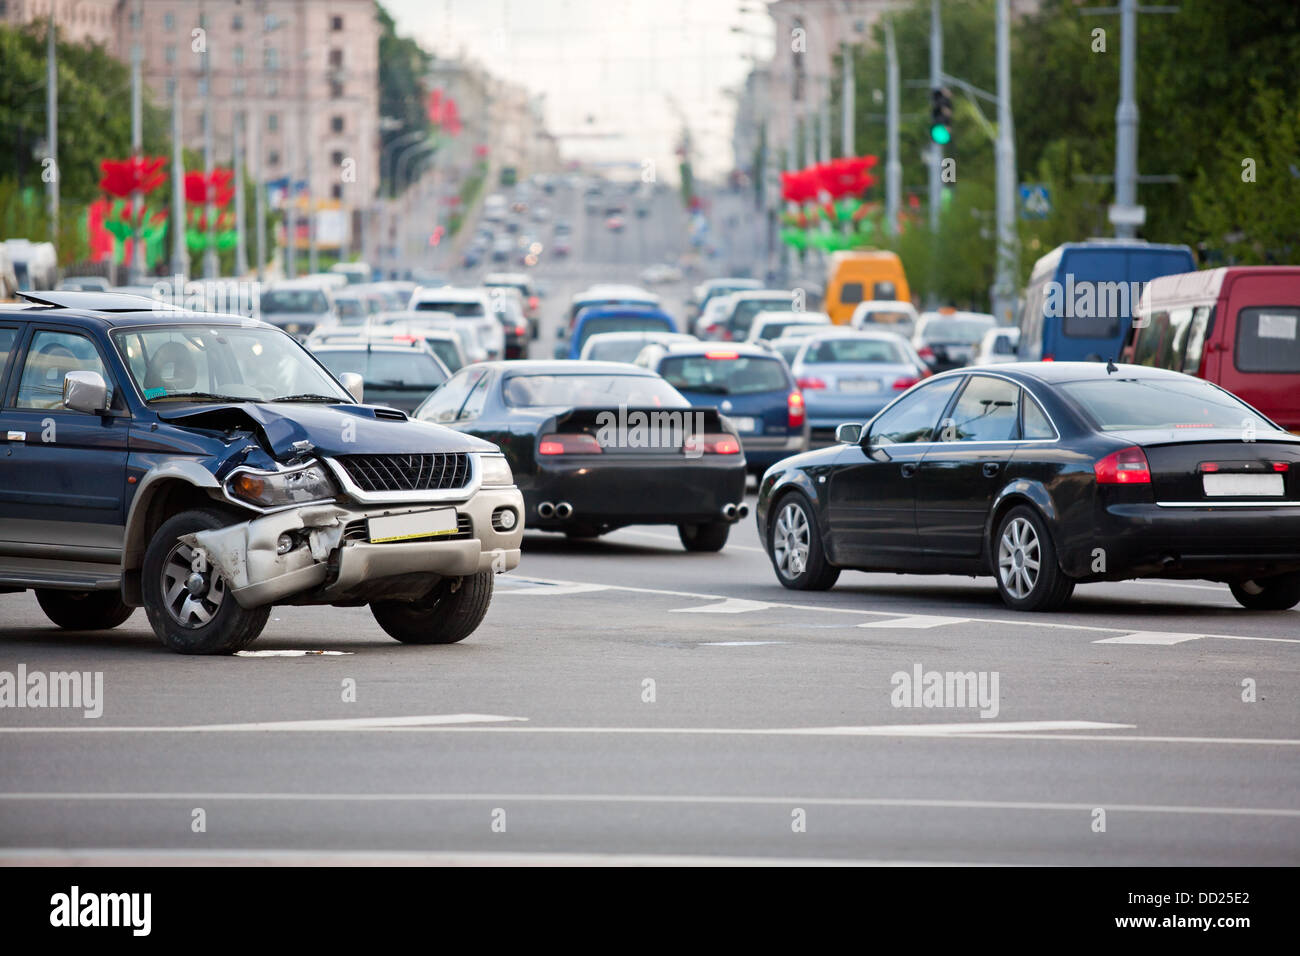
<point x="196" y="362"/>
<point x="311" y="301"/>
<point x="1122" y="404"/>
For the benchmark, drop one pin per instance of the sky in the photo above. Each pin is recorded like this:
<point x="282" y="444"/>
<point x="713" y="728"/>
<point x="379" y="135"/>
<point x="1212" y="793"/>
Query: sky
<point x="612" y="67"/>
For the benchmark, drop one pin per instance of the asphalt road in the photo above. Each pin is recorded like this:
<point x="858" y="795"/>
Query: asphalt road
<point x="625" y="700"/>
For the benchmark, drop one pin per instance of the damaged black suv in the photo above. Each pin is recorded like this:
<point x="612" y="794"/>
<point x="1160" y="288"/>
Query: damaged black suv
<point x="207" y="467"/>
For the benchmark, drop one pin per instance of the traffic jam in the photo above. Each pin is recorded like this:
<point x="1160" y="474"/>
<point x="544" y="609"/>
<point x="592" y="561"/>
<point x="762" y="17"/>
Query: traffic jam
<point x="791" y="434"/>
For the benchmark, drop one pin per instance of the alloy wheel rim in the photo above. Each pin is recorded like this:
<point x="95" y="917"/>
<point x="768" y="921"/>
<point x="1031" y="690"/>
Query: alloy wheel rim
<point x="791" y="541"/>
<point x="192" y="597"/>
<point x="1019" y="558"/>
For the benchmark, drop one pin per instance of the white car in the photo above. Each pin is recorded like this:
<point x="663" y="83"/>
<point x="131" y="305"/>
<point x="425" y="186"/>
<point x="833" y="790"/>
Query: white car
<point x="773" y="325"/>
<point x="468" y="305"/>
<point x="418" y="322"/>
<point x="885" y="315"/>
<point x="998" y="346"/>
<point x="715" y="313"/>
<point x="626" y="346"/>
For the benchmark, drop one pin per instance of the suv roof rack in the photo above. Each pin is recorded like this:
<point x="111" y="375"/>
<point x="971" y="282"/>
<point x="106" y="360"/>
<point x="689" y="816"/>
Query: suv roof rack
<point x="99" y="301"/>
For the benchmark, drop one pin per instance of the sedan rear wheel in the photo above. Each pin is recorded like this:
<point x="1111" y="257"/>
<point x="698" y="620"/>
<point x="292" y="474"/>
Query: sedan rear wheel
<point x="704" y="537"/>
<point x="1268" y="594"/>
<point x="795" y="546"/>
<point x="1028" y="575"/>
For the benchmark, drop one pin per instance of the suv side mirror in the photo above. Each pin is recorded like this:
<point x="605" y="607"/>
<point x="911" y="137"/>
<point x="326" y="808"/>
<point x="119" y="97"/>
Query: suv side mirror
<point x="85" y="391"/>
<point x="354" y="384"/>
<point x="849" y="433"/>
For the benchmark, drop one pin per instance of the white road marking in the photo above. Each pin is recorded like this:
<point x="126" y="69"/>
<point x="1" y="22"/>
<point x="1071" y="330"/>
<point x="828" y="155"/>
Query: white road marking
<point x="729" y="606"/>
<point x="425" y="722"/>
<point x="1162" y="638"/>
<point x="292" y="653"/>
<point x="738" y="643"/>
<point x="555" y="589"/>
<point x="1015" y="622"/>
<point x="1145" y="582"/>
<point x="657" y="798"/>
<point x="917" y="621"/>
<point x="164" y="857"/>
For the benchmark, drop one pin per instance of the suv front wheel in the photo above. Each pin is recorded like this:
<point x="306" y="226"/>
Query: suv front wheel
<point x="449" y="613"/>
<point x="185" y="596"/>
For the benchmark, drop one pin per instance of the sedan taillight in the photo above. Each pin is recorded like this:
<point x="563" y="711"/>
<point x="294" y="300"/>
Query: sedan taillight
<point x="712" y="444"/>
<point x="904" y="383"/>
<point x="1128" y="466"/>
<point x="794" y="408"/>
<point x="809" y="381"/>
<point x="575" y="444"/>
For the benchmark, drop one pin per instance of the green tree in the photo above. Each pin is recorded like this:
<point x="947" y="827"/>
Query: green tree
<point x="403" y="92"/>
<point x="1244" y="204"/>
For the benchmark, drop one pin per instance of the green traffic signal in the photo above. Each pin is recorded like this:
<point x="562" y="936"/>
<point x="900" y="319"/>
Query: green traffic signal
<point x="940" y="134"/>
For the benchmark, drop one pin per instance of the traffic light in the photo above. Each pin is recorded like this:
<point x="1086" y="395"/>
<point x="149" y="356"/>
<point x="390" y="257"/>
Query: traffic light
<point x="941" y="116"/>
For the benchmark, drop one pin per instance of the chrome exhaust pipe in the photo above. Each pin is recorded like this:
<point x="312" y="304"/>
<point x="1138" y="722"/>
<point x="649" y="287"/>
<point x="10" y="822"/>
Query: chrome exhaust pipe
<point x="563" y="510"/>
<point x="742" y="510"/>
<point x="545" y="510"/>
<point x="729" y="511"/>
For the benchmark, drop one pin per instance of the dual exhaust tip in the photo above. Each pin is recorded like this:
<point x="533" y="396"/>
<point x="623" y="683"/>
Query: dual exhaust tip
<point x="562" y="510"/>
<point x="734" y="512"/>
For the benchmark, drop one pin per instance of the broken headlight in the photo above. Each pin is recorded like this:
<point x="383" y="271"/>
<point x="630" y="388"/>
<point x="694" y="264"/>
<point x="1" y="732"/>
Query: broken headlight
<point x="275" y="489"/>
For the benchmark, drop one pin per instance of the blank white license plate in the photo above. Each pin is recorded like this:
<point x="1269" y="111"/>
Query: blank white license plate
<point x="1256" y="486"/>
<point x="415" y="524"/>
<point x="744" y="424"/>
<point x="859" y="385"/>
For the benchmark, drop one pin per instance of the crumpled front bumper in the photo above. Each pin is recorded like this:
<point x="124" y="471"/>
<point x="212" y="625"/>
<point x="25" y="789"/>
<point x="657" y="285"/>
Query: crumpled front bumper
<point x="335" y="559"/>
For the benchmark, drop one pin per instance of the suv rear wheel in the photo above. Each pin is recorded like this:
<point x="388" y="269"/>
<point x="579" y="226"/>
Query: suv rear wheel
<point x="451" y="612"/>
<point x="185" y="596"/>
<point x="83" y="610"/>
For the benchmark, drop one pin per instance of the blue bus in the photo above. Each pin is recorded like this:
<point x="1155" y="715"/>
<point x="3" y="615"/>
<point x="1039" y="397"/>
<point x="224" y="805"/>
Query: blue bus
<point x="1079" y="303"/>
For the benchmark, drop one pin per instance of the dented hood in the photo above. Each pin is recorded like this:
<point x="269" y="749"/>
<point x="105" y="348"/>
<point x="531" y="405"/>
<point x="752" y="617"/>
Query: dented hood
<point x="331" y="430"/>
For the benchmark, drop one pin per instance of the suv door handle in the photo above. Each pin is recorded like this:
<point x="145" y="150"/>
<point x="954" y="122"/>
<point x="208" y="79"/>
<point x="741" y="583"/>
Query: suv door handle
<point x="991" y="468"/>
<point x="908" y="469"/>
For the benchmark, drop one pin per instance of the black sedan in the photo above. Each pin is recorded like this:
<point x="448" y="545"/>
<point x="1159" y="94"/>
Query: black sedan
<point x="1044" y="476"/>
<point x="595" y="446"/>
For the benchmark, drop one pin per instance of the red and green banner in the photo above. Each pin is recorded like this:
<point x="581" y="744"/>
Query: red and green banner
<point x="111" y="222"/>
<point x="825" y="207"/>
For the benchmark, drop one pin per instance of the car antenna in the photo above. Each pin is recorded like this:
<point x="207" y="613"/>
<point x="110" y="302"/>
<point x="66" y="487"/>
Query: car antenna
<point x="1111" y="368"/>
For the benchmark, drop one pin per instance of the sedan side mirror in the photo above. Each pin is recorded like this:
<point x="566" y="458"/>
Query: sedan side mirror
<point x="354" y="383"/>
<point x="849" y="433"/>
<point x="85" y="391"/>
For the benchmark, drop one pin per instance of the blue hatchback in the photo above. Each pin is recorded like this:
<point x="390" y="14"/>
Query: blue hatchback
<point x="752" y="386"/>
<point x="613" y="318"/>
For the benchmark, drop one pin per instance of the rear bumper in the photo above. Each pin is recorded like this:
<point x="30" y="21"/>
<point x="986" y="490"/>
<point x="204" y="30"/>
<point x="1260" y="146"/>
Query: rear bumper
<point x="1216" y="543"/>
<point x="336" y="562"/>
<point x="761" y="452"/>
<point x="826" y="412"/>
<point x="644" y="491"/>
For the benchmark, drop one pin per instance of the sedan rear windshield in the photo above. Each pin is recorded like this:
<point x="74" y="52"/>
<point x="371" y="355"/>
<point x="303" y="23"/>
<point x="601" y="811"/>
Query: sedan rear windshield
<point x="856" y="350"/>
<point x="412" y="369"/>
<point x="955" y="330"/>
<point x="591" y="391"/>
<point x="743" y="375"/>
<point x="463" y="310"/>
<point x="310" y="301"/>
<point x="743" y="315"/>
<point x="1123" y="404"/>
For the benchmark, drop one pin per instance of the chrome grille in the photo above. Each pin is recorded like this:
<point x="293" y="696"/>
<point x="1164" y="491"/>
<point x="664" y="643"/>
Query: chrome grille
<point x="440" y="471"/>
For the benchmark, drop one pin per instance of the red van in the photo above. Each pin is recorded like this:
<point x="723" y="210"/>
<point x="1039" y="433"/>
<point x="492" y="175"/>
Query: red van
<point x="1237" y="326"/>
